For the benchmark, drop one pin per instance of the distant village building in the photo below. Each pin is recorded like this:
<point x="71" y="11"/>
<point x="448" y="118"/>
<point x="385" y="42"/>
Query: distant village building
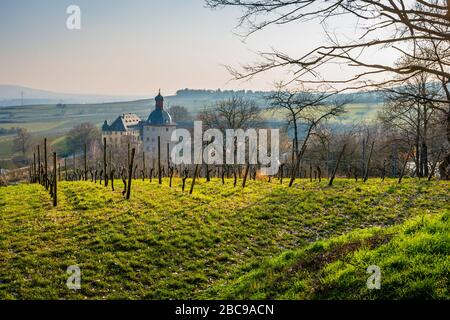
<point x="129" y="128"/>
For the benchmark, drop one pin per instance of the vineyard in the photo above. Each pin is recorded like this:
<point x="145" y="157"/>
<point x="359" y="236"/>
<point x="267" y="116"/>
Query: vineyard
<point x="267" y="240"/>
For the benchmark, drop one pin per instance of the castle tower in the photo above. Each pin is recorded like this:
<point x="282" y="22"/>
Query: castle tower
<point x="158" y="124"/>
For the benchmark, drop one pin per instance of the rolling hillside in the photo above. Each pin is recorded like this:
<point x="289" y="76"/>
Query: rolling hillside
<point x="266" y="241"/>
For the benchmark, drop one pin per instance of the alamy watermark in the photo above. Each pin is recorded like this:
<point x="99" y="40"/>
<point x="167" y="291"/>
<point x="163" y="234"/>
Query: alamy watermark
<point x="74" y="279"/>
<point x="73" y="22"/>
<point x="209" y="147"/>
<point x="374" y="281"/>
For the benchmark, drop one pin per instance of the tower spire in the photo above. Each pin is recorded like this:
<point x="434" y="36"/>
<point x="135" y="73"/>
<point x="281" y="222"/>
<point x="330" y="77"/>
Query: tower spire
<point x="159" y="100"/>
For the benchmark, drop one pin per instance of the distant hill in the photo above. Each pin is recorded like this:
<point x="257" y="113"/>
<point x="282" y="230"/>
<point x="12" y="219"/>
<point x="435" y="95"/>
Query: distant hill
<point x="356" y="97"/>
<point x="11" y="95"/>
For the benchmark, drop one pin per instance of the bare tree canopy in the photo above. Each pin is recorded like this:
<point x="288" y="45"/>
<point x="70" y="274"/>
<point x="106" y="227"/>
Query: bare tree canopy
<point x="296" y="103"/>
<point x="21" y="141"/>
<point x="179" y="113"/>
<point x="418" y="31"/>
<point x="234" y="113"/>
<point x="408" y="27"/>
<point x="85" y="133"/>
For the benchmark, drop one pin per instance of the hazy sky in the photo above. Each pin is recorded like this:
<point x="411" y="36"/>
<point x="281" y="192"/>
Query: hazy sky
<point x="134" y="47"/>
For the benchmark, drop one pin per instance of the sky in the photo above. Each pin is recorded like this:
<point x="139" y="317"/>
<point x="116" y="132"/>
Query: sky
<point x="136" y="47"/>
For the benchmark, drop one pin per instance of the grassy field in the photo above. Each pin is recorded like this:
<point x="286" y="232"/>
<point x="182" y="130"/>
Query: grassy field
<point x="261" y="242"/>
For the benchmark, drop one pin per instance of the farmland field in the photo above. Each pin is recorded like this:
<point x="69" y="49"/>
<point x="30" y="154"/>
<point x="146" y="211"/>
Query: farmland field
<point x="265" y="241"/>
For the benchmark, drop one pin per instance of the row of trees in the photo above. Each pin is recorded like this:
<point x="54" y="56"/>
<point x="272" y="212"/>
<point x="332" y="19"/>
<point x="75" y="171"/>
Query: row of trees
<point x="312" y="140"/>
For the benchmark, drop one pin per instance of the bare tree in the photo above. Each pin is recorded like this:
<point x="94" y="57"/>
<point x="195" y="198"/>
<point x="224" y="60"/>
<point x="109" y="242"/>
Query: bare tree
<point x="179" y="113"/>
<point x="234" y="113"/>
<point x="417" y="30"/>
<point x="85" y="133"/>
<point x="294" y="102"/>
<point x="409" y="110"/>
<point x="21" y="141"/>
<point x="313" y="115"/>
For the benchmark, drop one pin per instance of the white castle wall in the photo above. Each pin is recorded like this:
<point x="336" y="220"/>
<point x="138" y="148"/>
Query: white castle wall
<point x="150" y="143"/>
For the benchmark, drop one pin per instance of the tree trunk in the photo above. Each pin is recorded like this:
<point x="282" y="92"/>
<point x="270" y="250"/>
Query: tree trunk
<point x="366" y="174"/>
<point x="404" y="166"/>
<point x="297" y="164"/>
<point x="433" y="168"/>
<point x="337" y="166"/>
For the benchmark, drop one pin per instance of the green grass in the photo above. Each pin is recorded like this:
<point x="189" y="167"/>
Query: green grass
<point x="413" y="259"/>
<point x="221" y="241"/>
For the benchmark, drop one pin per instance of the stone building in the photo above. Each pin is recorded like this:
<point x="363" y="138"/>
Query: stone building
<point x="144" y="134"/>
<point x="125" y="129"/>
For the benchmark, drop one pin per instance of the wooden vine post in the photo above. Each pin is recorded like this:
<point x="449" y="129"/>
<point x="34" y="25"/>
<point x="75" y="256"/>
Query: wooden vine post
<point x="128" y="155"/>
<point x="34" y="167"/>
<point x="74" y="165"/>
<point x="45" y="165"/>
<point x="105" y="173"/>
<point x="168" y="158"/>
<point x="159" y="161"/>
<point x="85" y="163"/>
<point x="184" y="179"/>
<point x="247" y="168"/>
<point x="193" y="179"/>
<point x="55" y="182"/>
<point x="143" y="165"/>
<point x="65" y="168"/>
<point x="39" y="164"/>
<point x="111" y="171"/>
<point x="130" y="173"/>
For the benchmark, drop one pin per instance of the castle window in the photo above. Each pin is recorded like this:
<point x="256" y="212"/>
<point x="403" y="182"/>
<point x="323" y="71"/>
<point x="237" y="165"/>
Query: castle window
<point x="148" y="139"/>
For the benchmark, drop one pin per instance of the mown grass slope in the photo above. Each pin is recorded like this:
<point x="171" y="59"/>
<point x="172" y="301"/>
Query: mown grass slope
<point x="166" y="244"/>
<point x="413" y="261"/>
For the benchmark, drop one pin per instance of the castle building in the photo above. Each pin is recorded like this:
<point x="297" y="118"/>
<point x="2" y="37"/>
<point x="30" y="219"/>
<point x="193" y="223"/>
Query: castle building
<point x="159" y="124"/>
<point x="130" y="128"/>
<point x="125" y="129"/>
